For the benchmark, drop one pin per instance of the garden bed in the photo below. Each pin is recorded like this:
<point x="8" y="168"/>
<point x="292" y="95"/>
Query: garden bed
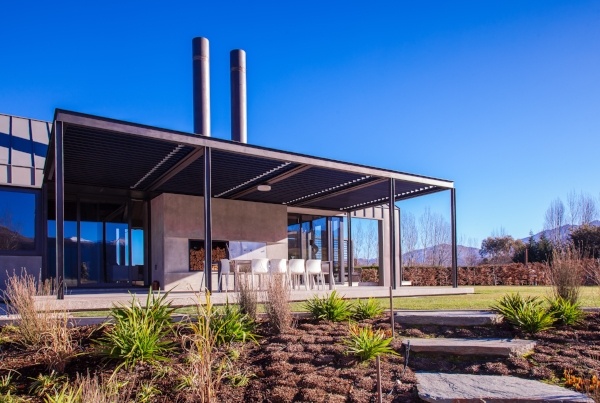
<point x="308" y="363"/>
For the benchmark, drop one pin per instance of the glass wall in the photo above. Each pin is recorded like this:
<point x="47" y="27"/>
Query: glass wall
<point x="102" y="246"/>
<point x="17" y="220"/>
<point x="317" y="237"/>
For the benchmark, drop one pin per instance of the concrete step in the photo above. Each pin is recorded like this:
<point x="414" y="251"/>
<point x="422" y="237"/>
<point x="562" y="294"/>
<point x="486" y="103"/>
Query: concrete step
<point x="447" y="318"/>
<point x="496" y="347"/>
<point x="455" y="388"/>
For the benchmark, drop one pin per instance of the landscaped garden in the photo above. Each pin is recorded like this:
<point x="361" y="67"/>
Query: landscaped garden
<point x="233" y="353"/>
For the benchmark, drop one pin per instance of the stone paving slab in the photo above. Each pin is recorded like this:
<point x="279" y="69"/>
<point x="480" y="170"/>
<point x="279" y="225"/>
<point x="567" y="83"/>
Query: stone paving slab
<point x="447" y="318"/>
<point x="456" y="388"/>
<point x="497" y="347"/>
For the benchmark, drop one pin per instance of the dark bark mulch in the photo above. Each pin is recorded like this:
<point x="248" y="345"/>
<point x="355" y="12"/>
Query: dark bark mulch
<point x="308" y="364"/>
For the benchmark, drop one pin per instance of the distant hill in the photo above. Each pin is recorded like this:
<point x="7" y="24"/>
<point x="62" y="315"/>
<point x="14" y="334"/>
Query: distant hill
<point x="466" y="254"/>
<point x="565" y="231"/>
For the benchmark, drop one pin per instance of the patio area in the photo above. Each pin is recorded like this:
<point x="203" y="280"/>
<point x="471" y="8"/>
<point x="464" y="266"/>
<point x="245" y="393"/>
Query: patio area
<point x="90" y="300"/>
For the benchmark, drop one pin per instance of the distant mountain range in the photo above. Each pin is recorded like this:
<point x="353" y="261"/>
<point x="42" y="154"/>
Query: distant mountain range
<point x="467" y="255"/>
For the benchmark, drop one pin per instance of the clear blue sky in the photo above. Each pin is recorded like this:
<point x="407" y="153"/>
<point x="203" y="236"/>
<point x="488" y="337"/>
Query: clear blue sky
<point x="503" y="97"/>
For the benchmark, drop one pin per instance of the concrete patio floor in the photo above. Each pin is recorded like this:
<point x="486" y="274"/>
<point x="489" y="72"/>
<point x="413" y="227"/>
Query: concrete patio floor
<point x="84" y="300"/>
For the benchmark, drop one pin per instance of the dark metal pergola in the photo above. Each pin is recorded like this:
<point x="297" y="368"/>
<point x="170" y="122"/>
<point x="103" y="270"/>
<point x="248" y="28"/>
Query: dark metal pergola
<point x="92" y="151"/>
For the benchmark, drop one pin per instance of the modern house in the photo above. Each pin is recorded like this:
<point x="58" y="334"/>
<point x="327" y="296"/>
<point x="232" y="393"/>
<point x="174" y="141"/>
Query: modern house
<point x="104" y="203"/>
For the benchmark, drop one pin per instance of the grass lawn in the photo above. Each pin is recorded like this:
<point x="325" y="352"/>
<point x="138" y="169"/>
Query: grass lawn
<point x="486" y="295"/>
<point x="482" y="299"/>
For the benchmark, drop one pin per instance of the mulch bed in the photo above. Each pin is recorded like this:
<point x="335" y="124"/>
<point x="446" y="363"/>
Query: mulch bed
<point x="308" y="364"/>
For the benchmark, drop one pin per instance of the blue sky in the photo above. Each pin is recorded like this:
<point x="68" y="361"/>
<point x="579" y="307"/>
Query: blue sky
<point x="503" y="97"/>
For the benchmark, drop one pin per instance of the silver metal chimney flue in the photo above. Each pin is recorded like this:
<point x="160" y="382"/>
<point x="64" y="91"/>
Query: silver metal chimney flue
<point x="239" y="114"/>
<point x="201" y="79"/>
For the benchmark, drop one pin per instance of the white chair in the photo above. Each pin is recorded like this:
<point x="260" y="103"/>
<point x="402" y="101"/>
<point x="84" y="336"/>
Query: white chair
<point x="259" y="267"/>
<point x="225" y="269"/>
<point x="296" y="270"/>
<point x="279" y="267"/>
<point x="313" y="269"/>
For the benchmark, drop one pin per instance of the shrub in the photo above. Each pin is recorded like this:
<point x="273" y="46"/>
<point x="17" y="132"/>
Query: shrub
<point x="139" y="333"/>
<point x="6" y="384"/>
<point x="565" y="312"/>
<point x="566" y="273"/>
<point x="332" y="307"/>
<point x="366" y="343"/>
<point x="368" y="309"/>
<point x="528" y="314"/>
<point x="247" y="297"/>
<point x="277" y="304"/>
<point x="45" y="384"/>
<point x="229" y="325"/>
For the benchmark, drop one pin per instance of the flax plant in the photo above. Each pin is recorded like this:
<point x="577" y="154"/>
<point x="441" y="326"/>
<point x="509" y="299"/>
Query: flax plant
<point x="140" y="333"/>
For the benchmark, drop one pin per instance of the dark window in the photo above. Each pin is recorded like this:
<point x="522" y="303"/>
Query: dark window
<point x="17" y="220"/>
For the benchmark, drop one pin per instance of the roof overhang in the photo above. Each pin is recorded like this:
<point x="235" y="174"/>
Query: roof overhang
<point x="102" y="152"/>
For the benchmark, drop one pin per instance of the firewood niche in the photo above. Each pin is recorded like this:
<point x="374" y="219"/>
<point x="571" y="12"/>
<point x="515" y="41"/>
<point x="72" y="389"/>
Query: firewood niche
<point x="197" y="253"/>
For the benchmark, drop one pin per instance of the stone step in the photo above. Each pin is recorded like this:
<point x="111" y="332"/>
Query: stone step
<point x="455" y="388"/>
<point x="496" y="347"/>
<point x="447" y="318"/>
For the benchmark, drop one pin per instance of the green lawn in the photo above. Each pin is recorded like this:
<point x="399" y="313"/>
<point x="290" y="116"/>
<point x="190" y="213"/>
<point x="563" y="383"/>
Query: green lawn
<point x="486" y="295"/>
<point x="482" y="299"/>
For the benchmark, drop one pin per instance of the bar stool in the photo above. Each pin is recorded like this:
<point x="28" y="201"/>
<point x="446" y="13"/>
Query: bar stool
<point x="259" y="267"/>
<point x="296" y="271"/>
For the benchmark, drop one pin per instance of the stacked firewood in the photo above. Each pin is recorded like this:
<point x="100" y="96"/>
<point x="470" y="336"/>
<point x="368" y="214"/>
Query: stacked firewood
<point x="197" y="258"/>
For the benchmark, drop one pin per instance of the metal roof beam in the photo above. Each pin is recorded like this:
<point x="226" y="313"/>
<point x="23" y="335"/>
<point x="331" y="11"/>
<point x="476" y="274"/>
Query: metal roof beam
<point x="278" y="178"/>
<point x="382" y="201"/>
<point x="339" y="192"/>
<point x="180" y="166"/>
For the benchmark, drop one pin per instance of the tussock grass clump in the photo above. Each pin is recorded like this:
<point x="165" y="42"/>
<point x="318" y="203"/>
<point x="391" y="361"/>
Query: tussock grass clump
<point x="567" y="271"/>
<point x="247" y="297"/>
<point x="277" y="303"/>
<point x="369" y="309"/>
<point x="139" y="333"/>
<point x="207" y="364"/>
<point x="41" y="324"/>
<point x="366" y="343"/>
<point x="332" y="307"/>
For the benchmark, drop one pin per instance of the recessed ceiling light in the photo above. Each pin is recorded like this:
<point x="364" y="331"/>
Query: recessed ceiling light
<point x="263" y="188"/>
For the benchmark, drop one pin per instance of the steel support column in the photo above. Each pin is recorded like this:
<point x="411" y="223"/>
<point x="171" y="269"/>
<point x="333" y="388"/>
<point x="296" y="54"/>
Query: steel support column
<point x="59" y="182"/>
<point x="350" y="251"/>
<point x="400" y="262"/>
<point x="392" y="218"/>
<point x="453" y="231"/>
<point x="207" y="219"/>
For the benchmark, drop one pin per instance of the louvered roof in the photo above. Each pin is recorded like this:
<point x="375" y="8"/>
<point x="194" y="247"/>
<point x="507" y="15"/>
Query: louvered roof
<point x="108" y="153"/>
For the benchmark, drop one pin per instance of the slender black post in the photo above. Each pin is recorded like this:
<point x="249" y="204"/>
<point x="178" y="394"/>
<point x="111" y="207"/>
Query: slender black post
<point x="207" y="219"/>
<point x="453" y="230"/>
<point x="59" y="182"/>
<point x="392" y="218"/>
<point x="400" y="247"/>
<point x="350" y="251"/>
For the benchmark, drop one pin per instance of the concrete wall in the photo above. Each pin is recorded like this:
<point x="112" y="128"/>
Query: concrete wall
<point x="175" y="219"/>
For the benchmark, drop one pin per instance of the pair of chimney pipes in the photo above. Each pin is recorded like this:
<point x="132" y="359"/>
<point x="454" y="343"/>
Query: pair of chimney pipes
<point x="201" y="79"/>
